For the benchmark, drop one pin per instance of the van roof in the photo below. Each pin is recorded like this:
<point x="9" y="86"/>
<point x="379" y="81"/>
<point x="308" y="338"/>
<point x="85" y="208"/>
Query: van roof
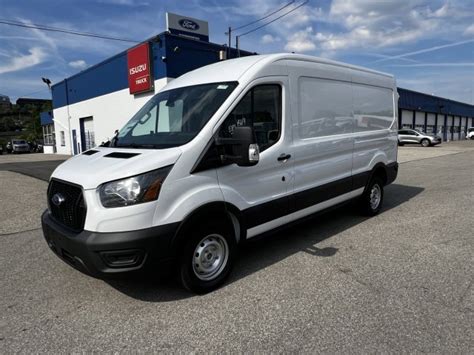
<point x="234" y="69"/>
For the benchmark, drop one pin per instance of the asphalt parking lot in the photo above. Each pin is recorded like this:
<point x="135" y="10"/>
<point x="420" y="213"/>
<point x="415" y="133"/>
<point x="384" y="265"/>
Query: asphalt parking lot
<point x="37" y="165"/>
<point x="398" y="282"/>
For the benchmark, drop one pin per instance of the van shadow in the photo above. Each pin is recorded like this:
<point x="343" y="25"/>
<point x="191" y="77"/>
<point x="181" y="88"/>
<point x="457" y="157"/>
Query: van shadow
<point x="261" y="252"/>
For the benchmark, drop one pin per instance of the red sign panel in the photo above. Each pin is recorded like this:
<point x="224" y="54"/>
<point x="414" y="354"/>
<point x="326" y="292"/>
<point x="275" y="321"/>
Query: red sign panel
<point x="139" y="71"/>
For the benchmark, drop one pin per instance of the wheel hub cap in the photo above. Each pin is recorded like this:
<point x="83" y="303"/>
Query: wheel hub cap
<point x="210" y="257"/>
<point x="375" y="196"/>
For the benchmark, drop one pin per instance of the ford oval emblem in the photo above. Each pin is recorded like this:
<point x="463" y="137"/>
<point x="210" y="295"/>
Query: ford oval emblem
<point x="57" y="199"/>
<point x="188" y="24"/>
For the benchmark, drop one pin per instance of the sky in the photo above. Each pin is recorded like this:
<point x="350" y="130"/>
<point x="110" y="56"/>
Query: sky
<point x="427" y="44"/>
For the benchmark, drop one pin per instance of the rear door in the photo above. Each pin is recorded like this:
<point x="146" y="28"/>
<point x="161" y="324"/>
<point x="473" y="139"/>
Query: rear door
<point x="260" y="191"/>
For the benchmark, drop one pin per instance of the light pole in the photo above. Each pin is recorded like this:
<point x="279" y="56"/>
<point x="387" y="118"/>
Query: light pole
<point x="47" y="82"/>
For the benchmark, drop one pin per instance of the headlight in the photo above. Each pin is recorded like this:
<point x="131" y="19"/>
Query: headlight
<point x="133" y="190"/>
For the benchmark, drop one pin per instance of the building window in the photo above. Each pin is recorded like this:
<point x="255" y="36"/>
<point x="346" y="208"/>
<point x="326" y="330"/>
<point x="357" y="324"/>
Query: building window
<point x="48" y="134"/>
<point x="63" y="139"/>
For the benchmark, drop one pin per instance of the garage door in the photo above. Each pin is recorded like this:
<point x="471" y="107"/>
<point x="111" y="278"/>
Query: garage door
<point x="430" y="123"/>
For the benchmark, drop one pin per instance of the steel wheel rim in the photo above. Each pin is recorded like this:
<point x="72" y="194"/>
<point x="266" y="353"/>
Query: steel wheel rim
<point x="210" y="257"/>
<point x="375" y="196"/>
<point x="425" y="143"/>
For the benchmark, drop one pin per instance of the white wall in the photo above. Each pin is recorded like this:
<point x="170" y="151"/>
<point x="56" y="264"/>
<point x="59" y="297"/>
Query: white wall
<point x="109" y="112"/>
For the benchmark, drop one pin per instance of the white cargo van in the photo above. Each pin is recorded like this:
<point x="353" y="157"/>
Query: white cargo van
<point x="222" y="154"/>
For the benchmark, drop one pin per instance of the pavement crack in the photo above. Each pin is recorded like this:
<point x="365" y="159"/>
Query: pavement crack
<point x="22" y="231"/>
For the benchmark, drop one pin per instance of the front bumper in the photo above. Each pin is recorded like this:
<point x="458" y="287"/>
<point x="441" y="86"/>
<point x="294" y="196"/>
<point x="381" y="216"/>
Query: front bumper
<point x="106" y="254"/>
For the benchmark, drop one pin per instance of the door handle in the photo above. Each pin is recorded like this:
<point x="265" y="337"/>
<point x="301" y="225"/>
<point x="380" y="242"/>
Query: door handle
<point x="284" y="157"/>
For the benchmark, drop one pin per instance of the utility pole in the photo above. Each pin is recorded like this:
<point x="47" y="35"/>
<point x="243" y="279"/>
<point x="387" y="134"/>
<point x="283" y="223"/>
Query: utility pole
<point x="230" y="41"/>
<point x="237" y="46"/>
<point x="69" y="118"/>
<point x="229" y="46"/>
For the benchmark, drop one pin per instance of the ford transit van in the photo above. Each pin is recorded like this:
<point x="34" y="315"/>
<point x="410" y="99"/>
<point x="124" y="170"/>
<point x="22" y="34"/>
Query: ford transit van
<point x="220" y="155"/>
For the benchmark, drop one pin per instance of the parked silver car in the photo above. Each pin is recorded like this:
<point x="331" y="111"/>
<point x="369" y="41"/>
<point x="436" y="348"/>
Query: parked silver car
<point x="413" y="136"/>
<point x="20" y="146"/>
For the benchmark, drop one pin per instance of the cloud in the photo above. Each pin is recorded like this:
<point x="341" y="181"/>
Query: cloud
<point x="301" y="41"/>
<point x="426" y="50"/>
<point x="125" y="2"/>
<point x="421" y="65"/>
<point x="350" y="24"/>
<point x="450" y="83"/>
<point x="268" y="38"/>
<point x="78" y="64"/>
<point x="36" y="56"/>
<point x="381" y="24"/>
<point x="469" y="31"/>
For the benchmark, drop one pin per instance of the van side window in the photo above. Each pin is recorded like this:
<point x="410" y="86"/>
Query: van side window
<point x="325" y="107"/>
<point x="373" y="108"/>
<point x="260" y="107"/>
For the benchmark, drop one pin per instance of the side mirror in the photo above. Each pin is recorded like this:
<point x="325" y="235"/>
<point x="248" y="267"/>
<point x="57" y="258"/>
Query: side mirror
<point x="242" y="149"/>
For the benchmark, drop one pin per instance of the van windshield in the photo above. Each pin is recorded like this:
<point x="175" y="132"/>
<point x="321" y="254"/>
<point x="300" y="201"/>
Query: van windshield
<point x="174" y="117"/>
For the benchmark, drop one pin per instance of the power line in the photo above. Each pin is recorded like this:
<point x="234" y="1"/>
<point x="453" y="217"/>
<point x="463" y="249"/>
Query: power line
<point x="275" y="19"/>
<point x="264" y="17"/>
<point x="62" y="30"/>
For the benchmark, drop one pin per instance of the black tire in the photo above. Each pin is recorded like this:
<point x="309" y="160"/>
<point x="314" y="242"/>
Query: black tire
<point x="365" y="202"/>
<point x="217" y="233"/>
<point x="400" y="144"/>
<point x="425" y="142"/>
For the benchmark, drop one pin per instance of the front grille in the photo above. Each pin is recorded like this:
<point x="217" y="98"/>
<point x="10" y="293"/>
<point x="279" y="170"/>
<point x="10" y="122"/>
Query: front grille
<point x="71" y="212"/>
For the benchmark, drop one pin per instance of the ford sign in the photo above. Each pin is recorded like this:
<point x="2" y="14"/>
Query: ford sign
<point x="182" y="25"/>
<point x="188" y="24"/>
<point x="57" y="199"/>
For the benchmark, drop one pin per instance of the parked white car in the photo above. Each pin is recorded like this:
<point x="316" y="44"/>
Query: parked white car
<point x="220" y="155"/>
<point x="20" y="146"/>
<point x="470" y="133"/>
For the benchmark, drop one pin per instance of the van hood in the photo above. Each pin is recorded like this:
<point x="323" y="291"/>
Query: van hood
<point x="98" y="165"/>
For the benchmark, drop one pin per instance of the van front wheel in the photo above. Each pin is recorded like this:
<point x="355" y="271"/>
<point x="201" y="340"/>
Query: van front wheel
<point x="207" y="258"/>
<point x="372" y="199"/>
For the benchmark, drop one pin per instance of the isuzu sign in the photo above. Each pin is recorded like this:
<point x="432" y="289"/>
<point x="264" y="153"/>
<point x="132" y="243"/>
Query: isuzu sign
<point x="140" y="78"/>
<point x="187" y="26"/>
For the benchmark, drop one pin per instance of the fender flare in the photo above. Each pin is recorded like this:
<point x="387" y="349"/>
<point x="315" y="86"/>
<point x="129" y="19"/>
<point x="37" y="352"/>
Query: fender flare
<point x="226" y="210"/>
<point x="378" y="169"/>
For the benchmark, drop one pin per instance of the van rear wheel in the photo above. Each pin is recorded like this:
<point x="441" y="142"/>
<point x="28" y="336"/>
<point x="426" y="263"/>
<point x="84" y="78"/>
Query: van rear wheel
<point x="207" y="258"/>
<point x="372" y="199"/>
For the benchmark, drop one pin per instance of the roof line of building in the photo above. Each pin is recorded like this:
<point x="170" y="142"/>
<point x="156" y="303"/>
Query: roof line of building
<point x="105" y="61"/>
<point x="437" y="97"/>
<point x="155" y="38"/>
